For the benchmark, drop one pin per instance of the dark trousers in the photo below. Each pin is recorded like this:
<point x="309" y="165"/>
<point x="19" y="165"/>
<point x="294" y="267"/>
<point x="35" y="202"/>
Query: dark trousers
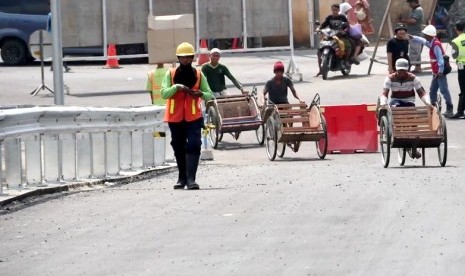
<point x="186" y="137"/>
<point x="461" y="77"/>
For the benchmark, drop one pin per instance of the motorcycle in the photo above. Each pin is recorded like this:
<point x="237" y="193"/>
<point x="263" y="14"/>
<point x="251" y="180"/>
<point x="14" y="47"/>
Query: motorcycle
<point x="331" y="51"/>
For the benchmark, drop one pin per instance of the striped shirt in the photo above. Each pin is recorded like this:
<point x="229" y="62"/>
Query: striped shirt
<point x="403" y="89"/>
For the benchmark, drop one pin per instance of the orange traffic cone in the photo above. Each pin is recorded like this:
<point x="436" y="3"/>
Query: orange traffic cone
<point x="203" y="55"/>
<point x="112" y="59"/>
<point x="236" y="43"/>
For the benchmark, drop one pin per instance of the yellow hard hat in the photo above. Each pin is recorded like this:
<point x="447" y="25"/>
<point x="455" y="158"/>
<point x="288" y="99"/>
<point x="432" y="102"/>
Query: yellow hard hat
<point x="185" y="49"/>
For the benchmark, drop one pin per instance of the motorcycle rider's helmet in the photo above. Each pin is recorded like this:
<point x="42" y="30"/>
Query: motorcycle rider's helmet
<point x="278" y="66"/>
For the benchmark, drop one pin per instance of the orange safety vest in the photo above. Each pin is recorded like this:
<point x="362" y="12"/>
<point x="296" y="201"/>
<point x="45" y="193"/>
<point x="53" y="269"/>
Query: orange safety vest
<point x="183" y="106"/>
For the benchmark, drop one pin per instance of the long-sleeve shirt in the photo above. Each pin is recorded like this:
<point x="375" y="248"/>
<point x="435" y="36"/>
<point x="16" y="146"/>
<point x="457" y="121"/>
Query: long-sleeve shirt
<point x="437" y="51"/>
<point x="168" y="89"/>
<point x="216" y="77"/>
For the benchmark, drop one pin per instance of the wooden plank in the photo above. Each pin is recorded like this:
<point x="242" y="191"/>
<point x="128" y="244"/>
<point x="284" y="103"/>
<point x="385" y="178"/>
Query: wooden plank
<point x="412" y="121"/>
<point x="420" y="137"/>
<point x="298" y="129"/>
<point x="245" y="118"/>
<point x="295" y="120"/>
<point x="299" y="105"/>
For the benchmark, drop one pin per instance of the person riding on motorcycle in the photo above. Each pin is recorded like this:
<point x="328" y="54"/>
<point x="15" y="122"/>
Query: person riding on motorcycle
<point x="336" y="21"/>
<point x="344" y="35"/>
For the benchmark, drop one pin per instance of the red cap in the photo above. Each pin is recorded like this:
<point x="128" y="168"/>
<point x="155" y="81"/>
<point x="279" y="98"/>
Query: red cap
<point x="278" y="66"/>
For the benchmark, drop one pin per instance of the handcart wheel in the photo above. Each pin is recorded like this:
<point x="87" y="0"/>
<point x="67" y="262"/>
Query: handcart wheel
<point x="322" y="144"/>
<point x="442" y="148"/>
<point x="401" y="154"/>
<point x="213" y="120"/>
<point x="260" y="133"/>
<point x="271" y="138"/>
<point x="385" y="141"/>
<point x="281" y="149"/>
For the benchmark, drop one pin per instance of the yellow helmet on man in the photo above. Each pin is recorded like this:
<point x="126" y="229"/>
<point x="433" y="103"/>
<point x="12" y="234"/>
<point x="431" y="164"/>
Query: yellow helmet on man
<point x="185" y="49"/>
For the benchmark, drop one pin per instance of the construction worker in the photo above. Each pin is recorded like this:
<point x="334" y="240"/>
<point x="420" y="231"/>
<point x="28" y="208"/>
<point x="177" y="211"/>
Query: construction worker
<point x="184" y="88"/>
<point x="436" y="55"/>
<point x="458" y="46"/>
<point x="154" y="80"/>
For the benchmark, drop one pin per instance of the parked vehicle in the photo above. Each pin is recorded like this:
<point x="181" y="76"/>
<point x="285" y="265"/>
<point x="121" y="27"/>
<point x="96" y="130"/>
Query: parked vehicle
<point x="18" y="20"/>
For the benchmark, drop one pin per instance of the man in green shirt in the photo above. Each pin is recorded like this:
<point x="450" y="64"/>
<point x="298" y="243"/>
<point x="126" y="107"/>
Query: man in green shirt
<point x="215" y="73"/>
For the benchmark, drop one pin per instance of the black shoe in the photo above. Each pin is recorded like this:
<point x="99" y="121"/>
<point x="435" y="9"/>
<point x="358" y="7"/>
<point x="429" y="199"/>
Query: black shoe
<point x="457" y="115"/>
<point x="448" y="114"/>
<point x="354" y="61"/>
<point x="416" y="155"/>
<point x="193" y="186"/>
<point x="180" y="185"/>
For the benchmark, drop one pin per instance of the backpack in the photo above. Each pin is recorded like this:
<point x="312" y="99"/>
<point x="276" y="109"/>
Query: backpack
<point x="447" y="66"/>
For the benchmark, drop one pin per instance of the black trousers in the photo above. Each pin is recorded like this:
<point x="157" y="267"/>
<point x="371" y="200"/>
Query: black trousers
<point x="461" y="77"/>
<point x="186" y="137"/>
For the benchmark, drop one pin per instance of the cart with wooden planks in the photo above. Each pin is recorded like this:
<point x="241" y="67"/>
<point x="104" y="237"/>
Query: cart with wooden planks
<point x="232" y="114"/>
<point x="289" y="125"/>
<point x="412" y="128"/>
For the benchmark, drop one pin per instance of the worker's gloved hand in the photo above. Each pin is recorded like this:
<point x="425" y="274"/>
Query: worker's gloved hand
<point x="196" y="93"/>
<point x="181" y="87"/>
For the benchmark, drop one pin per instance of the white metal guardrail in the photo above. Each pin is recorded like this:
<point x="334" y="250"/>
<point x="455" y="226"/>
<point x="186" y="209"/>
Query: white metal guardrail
<point x="56" y="144"/>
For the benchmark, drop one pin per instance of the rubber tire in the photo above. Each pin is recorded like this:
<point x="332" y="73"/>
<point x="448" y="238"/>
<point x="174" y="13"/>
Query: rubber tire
<point x="14" y="52"/>
<point x="213" y="119"/>
<point x="442" y="148"/>
<point x="325" y="65"/>
<point x="346" y="71"/>
<point x="260" y="134"/>
<point x="322" y="143"/>
<point x="271" y="139"/>
<point x="281" y="149"/>
<point x="385" y="142"/>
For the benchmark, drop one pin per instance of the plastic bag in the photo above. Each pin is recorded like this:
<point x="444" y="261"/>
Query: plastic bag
<point x="356" y="31"/>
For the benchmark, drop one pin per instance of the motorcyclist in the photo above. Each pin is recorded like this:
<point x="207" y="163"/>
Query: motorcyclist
<point x="335" y="21"/>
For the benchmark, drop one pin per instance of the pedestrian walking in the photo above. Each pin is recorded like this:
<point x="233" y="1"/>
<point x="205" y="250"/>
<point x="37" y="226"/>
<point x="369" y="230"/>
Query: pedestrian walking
<point x="184" y="88"/>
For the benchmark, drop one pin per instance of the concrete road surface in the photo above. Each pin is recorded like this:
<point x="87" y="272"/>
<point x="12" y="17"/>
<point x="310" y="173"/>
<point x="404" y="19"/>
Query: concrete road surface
<point x="345" y="215"/>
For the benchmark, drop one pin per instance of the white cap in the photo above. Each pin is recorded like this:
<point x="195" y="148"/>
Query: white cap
<point x="402" y="64"/>
<point x="344" y="8"/>
<point x="429" y="30"/>
<point x="215" y="50"/>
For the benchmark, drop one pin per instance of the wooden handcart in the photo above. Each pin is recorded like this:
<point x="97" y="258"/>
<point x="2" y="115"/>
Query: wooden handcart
<point x="412" y="128"/>
<point x="232" y="114"/>
<point x="291" y="124"/>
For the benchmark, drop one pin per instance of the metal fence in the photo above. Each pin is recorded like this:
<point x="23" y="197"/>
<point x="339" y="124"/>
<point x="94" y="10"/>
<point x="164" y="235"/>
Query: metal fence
<point x="42" y="145"/>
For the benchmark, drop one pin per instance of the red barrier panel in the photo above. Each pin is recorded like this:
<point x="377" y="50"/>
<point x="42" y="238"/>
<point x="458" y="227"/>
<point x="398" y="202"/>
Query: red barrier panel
<point x="351" y="128"/>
